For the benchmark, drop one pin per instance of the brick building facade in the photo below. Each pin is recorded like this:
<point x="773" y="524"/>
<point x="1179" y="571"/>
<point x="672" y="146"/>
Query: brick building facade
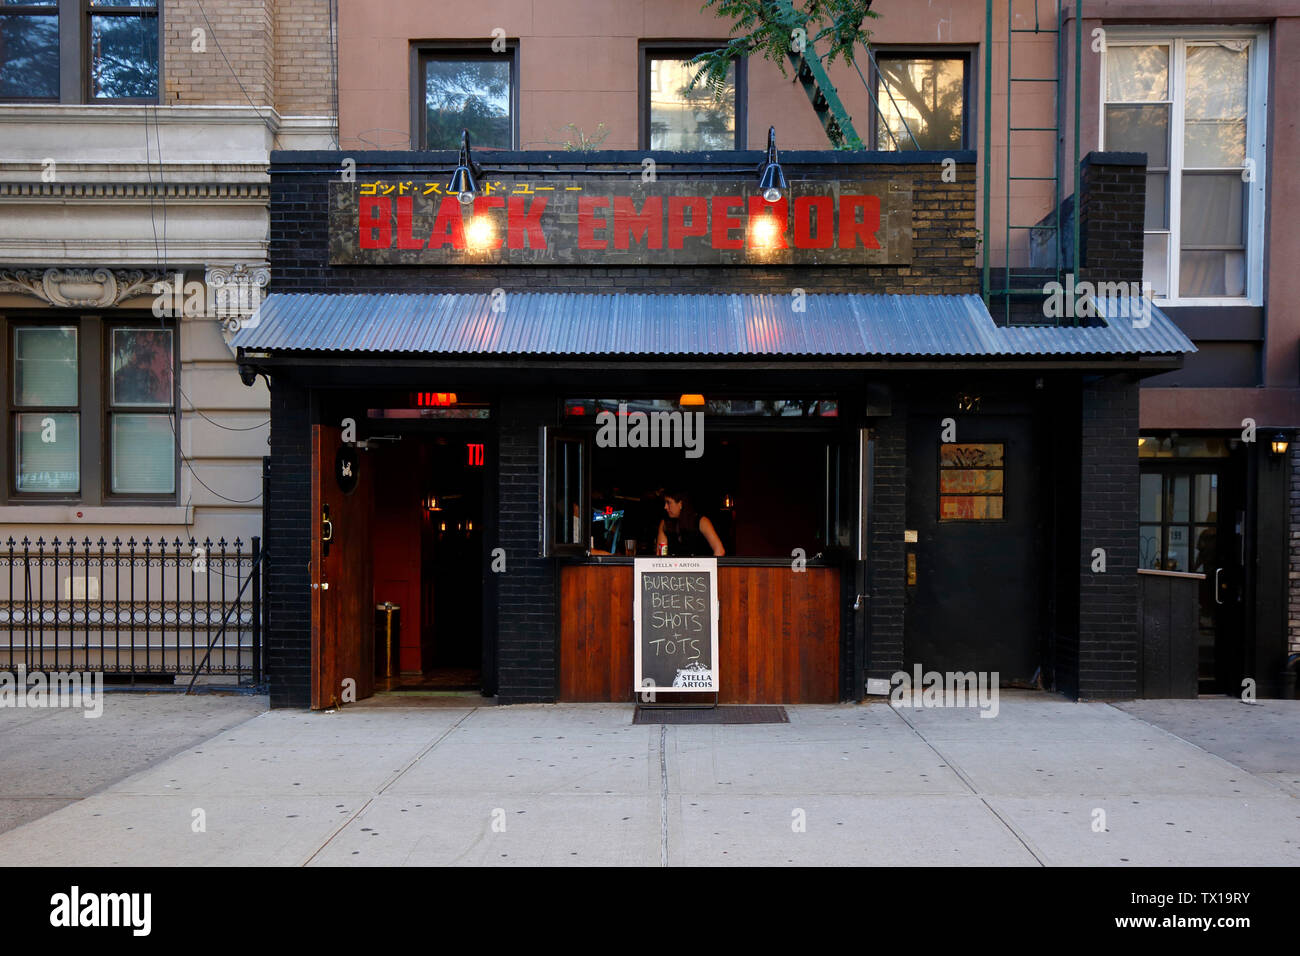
<point x="130" y="166"/>
<point x="1069" y="419"/>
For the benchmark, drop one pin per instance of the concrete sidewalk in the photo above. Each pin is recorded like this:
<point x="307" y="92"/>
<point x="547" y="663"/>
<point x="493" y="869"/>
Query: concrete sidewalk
<point x="51" y="757"/>
<point x="578" y="784"/>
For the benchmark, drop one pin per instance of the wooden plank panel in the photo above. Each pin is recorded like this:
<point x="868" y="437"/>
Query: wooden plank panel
<point x="778" y="638"/>
<point x="596" y="633"/>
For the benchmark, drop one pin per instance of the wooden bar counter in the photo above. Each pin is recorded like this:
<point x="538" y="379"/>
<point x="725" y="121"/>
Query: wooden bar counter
<point x="778" y="632"/>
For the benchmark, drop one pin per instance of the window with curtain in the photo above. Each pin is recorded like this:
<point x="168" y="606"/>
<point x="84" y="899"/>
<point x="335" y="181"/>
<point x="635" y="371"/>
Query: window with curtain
<point x="45" y="410"/>
<point x="1189" y="103"/>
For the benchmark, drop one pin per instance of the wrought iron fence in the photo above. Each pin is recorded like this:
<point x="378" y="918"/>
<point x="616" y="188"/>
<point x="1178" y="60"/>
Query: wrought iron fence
<point x="158" y="608"/>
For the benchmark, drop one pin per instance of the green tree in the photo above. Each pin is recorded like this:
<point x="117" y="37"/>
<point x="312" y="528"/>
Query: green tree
<point x="769" y="27"/>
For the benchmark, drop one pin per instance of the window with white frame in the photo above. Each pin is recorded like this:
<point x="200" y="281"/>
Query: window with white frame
<point x="1194" y="101"/>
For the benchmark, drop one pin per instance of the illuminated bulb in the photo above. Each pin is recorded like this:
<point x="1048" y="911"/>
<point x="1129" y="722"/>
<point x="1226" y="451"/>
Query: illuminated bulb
<point x="466" y="197"/>
<point x="479" y="233"/>
<point x="763" y="232"/>
<point x="772" y="194"/>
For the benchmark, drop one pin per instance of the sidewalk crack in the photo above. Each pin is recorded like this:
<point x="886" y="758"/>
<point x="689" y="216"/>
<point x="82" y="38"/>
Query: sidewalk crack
<point x="388" y="783"/>
<point x="1023" y="840"/>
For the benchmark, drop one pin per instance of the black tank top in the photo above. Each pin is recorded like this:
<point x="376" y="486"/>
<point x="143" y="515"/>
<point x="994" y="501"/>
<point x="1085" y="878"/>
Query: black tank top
<point x="688" y="543"/>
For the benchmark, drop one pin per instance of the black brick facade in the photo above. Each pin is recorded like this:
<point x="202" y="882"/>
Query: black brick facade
<point x="526" y="613"/>
<point x="1104" y="661"/>
<point x="1111" y="216"/>
<point x="1094" y="652"/>
<point x="289" y="527"/>
<point x="886" y="522"/>
<point x="1107" y="648"/>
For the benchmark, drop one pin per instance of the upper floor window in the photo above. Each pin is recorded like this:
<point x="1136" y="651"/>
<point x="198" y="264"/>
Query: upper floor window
<point x="467" y="89"/>
<point x="29" y="51"/>
<point x="675" y="117"/>
<point x="1194" y="102"/>
<point x="920" y="101"/>
<point x="123" y="49"/>
<point x="111" y="47"/>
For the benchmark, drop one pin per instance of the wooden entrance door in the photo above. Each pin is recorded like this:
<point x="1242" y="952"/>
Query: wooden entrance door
<point x="342" y="612"/>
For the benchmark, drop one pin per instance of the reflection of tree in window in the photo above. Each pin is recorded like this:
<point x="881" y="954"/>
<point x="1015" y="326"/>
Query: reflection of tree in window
<point x="142" y="367"/>
<point x="124" y="56"/>
<point x="929" y="94"/>
<point x="29" y="50"/>
<point x="467" y="94"/>
<point x="686" y="118"/>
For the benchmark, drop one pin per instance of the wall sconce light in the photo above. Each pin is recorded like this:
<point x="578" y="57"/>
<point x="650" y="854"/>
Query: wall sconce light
<point x="431" y="503"/>
<point x="1279" y="444"/>
<point x="464" y="181"/>
<point x="771" y="179"/>
<point x="728" y="503"/>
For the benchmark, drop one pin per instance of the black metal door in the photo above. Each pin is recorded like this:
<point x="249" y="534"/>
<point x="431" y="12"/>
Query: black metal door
<point x="976" y="575"/>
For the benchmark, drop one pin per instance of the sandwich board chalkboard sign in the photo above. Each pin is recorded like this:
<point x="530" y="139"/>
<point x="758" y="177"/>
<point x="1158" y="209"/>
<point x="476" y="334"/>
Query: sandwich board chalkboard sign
<point x="675" y="614"/>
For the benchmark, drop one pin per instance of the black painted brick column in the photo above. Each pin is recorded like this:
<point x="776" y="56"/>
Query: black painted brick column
<point x="886" y="520"/>
<point x="1111" y="217"/>
<point x="1107" y="664"/>
<point x="289" y="523"/>
<point x="526" y="600"/>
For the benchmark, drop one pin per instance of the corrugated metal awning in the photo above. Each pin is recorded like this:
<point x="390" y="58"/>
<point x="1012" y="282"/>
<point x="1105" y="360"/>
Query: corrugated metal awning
<point x="648" y="324"/>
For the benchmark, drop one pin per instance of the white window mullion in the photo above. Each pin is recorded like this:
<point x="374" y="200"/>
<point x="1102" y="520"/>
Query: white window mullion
<point x="1177" y="64"/>
<point x="1256" y="134"/>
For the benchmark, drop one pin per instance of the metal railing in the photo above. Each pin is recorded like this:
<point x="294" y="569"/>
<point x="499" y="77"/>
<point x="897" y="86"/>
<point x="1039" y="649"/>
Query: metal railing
<point x="133" y="608"/>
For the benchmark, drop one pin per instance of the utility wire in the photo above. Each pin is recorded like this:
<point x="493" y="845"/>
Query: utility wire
<point x="275" y="136"/>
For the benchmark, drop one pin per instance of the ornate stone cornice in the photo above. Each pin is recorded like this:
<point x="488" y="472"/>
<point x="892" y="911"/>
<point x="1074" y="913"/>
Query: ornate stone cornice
<point x="237" y="292"/>
<point x="241" y="273"/>
<point x="254" y="192"/>
<point x="80" y="288"/>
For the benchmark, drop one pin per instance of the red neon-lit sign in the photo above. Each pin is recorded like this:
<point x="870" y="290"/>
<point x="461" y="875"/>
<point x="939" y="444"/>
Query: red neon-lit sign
<point x="434" y="399"/>
<point x="474" y="453"/>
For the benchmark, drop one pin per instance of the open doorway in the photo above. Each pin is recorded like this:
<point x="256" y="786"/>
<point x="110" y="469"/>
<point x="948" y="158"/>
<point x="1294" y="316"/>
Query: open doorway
<point x="428" y="556"/>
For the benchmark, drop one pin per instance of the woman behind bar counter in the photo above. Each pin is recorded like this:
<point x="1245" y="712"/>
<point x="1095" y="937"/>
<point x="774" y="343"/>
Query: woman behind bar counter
<point x="687" y="534"/>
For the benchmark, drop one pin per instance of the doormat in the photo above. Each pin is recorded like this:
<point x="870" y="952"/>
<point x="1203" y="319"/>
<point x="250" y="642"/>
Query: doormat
<point x="740" y="714"/>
